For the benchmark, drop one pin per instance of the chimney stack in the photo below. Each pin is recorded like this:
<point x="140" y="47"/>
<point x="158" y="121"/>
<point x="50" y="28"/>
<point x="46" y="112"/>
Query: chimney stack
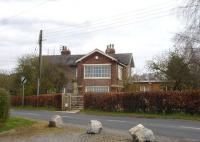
<point x="110" y="49"/>
<point x="65" y="51"/>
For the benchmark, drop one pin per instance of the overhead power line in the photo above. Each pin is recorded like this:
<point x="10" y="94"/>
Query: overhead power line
<point x="137" y="19"/>
<point x="102" y="29"/>
<point x="114" y="17"/>
<point x="24" y="11"/>
<point x="27" y="10"/>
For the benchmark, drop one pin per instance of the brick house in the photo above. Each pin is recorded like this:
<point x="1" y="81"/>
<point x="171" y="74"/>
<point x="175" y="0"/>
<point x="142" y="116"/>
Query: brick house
<point x="96" y="71"/>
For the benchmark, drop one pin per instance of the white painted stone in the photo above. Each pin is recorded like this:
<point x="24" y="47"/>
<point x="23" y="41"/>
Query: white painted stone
<point x="94" y="127"/>
<point x="66" y="105"/>
<point x="140" y="133"/>
<point x="56" y="121"/>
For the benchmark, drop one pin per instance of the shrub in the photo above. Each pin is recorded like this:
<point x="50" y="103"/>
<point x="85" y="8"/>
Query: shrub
<point x="4" y="105"/>
<point x="47" y="100"/>
<point x="150" y="102"/>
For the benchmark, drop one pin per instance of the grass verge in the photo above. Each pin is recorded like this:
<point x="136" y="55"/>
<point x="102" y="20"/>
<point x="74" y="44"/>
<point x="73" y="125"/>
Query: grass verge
<point x="15" y="122"/>
<point x="143" y="115"/>
<point x="33" y="108"/>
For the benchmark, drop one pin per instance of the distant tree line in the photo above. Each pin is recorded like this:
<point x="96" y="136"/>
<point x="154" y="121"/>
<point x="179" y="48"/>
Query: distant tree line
<point x="53" y="77"/>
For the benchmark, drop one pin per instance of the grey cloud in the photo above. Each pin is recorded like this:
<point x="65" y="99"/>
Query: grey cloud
<point x="21" y="22"/>
<point x="27" y="26"/>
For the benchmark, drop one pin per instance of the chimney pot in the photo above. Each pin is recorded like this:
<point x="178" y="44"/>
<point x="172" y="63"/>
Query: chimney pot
<point x="110" y="49"/>
<point x="65" y="51"/>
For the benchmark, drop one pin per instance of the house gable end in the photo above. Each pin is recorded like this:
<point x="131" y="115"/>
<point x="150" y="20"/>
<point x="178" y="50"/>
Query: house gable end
<point x="97" y="58"/>
<point x="93" y="52"/>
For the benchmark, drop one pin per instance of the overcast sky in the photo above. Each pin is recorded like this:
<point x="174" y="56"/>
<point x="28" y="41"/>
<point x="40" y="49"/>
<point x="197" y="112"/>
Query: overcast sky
<point x="144" y="28"/>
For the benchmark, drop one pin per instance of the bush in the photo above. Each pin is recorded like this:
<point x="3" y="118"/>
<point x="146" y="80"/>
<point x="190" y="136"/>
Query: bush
<point x="47" y="100"/>
<point x="150" y="102"/>
<point x="4" y="105"/>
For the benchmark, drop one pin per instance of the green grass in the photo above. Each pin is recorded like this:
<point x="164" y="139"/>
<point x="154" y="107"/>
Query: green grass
<point x="15" y="122"/>
<point x="143" y="115"/>
<point x="33" y="108"/>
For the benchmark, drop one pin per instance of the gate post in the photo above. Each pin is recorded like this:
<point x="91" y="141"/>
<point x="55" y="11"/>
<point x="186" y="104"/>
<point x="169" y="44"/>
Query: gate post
<point x="62" y="103"/>
<point x="63" y="100"/>
<point x="70" y="101"/>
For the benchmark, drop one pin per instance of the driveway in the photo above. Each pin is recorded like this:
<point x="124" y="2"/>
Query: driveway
<point x="162" y="127"/>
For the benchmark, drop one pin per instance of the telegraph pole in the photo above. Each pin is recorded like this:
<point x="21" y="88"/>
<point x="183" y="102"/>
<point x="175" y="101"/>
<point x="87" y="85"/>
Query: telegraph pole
<point x="40" y="64"/>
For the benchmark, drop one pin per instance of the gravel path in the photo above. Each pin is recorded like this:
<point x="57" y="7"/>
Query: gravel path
<point x="70" y="133"/>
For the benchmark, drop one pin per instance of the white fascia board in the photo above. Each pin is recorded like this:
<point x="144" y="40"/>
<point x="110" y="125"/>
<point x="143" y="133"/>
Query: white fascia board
<point x="96" y="50"/>
<point x="121" y="64"/>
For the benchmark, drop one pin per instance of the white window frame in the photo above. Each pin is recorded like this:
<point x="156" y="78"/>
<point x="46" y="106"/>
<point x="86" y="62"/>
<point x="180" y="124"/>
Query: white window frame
<point x="76" y="72"/>
<point x="120" y="72"/>
<point x="86" y="89"/>
<point x="97" y="65"/>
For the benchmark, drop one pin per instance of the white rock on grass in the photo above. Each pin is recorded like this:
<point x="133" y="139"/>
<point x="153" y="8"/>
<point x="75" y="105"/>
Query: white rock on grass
<point x="140" y="133"/>
<point x="56" y="121"/>
<point x="94" y="127"/>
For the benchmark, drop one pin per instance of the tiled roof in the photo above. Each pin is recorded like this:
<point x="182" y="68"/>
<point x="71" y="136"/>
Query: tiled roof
<point x="69" y="60"/>
<point x="124" y="58"/>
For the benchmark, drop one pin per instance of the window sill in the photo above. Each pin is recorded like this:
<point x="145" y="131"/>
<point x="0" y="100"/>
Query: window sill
<point x="96" y="78"/>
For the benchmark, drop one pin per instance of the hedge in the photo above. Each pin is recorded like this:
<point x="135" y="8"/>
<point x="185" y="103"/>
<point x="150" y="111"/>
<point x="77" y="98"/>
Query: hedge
<point x="150" y="102"/>
<point x="45" y="100"/>
<point x="4" y="105"/>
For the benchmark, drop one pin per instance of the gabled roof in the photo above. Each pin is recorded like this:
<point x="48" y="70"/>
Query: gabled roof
<point x="96" y="50"/>
<point x="71" y="60"/>
<point x="124" y="58"/>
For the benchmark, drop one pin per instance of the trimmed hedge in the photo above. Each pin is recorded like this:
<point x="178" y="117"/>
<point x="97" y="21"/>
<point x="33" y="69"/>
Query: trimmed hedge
<point x="4" y="105"/>
<point x="150" y="102"/>
<point x="45" y="100"/>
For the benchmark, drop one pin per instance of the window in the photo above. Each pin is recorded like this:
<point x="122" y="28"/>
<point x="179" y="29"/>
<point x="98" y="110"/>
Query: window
<point x="97" y="89"/>
<point x="119" y="72"/>
<point x="144" y="88"/>
<point x="97" y="71"/>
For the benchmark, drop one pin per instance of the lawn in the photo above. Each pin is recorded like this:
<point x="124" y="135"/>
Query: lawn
<point x="50" y="108"/>
<point x="15" y="122"/>
<point x="143" y="115"/>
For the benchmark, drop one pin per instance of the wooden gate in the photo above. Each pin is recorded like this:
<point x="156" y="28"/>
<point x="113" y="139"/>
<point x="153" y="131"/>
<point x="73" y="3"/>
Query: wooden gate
<point x="72" y="102"/>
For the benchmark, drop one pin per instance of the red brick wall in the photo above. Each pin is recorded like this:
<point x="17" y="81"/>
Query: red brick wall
<point x="96" y="82"/>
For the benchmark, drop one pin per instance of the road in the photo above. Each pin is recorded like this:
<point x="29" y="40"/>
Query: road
<point x="164" y="127"/>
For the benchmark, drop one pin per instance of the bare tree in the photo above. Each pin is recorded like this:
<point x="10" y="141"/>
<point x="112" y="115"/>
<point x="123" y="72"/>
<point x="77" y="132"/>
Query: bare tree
<point x="187" y="43"/>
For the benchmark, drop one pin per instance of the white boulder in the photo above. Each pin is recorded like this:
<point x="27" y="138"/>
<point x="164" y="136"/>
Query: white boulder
<point x="94" y="127"/>
<point x="140" y="133"/>
<point x="56" y="121"/>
